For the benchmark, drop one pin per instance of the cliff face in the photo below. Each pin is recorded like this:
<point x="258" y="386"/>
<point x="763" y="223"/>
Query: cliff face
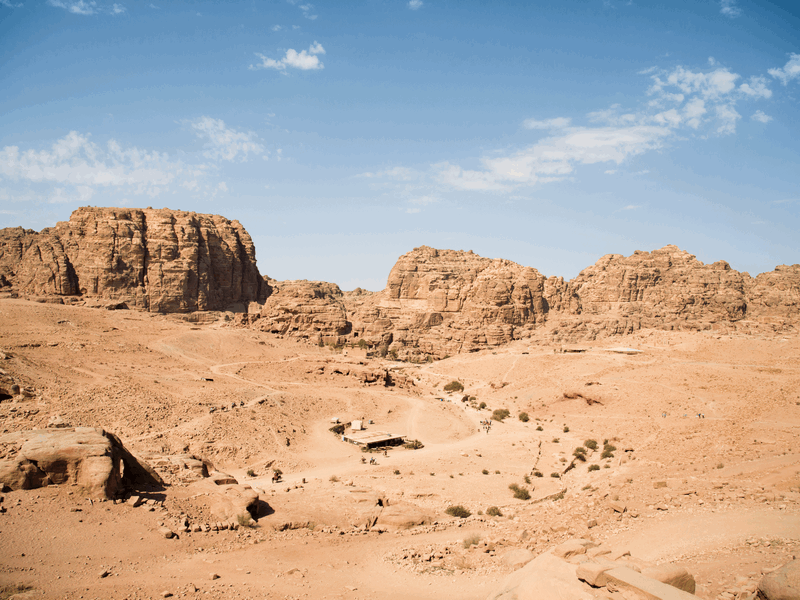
<point x="157" y="260"/>
<point x="436" y="302"/>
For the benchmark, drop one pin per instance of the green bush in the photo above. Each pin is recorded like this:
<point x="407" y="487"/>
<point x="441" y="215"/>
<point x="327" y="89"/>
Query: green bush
<point x="333" y="479"/>
<point x="413" y="445"/>
<point x="500" y="413"/>
<point x="482" y="405"/>
<point x="458" y="511"/>
<point x="579" y="450"/>
<point x="523" y="416"/>
<point x="251" y="473"/>
<point x="539" y="428"/>
<point x="555" y="475"/>
<point x="527" y="479"/>
<point x="607" y="453"/>
<point x="591" y="444"/>
<point x="520" y="493"/>
<point x="566" y="429"/>
<point x="537" y="474"/>
<point x="362" y="343"/>
<point x="493" y="511"/>
<point x="594" y="467"/>
<point x="397" y="471"/>
<point x="454" y="386"/>
<point x="485" y="471"/>
<point x="556" y="440"/>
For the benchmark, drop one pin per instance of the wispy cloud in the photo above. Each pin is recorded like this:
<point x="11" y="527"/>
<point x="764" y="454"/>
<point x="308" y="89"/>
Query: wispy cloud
<point x="77" y="162"/>
<point x="557" y="123"/>
<point x="729" y="9"/>
<point x="276" y="27"/>
<point x="305" y="60"/>
<point x="415" y="4"/>
<point x="554" y="158"/>
<point x="790" y="71"/>
<point x="761" y="117"/>
<point x="223" y="143"/>
<point x="306" y="7"/>
<point x="84" y="7"/>
<point x="9" y="4"/>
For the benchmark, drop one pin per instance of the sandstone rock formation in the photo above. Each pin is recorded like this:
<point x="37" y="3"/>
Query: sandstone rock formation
<point x="157" y="260"/>
<point x="228" y="500"/>
<point x="781" y="584"/>
<point x="92" y="459"/>
<point x="436" y="302"/>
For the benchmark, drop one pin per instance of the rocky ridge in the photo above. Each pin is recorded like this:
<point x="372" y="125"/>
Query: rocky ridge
<point x="148" y="259"/>
<point x="436" y="302"/>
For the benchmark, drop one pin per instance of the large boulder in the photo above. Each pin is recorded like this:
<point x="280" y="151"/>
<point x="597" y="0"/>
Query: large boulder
<point x="782" y="584"/>
<point x="546" y="576"/>
<point x="227" y="499"/>
<point x="90" y="458"/>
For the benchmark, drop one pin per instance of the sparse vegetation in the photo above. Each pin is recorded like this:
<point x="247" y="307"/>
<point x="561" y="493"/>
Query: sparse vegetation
<point x="363" y="344"/>
<point x="720" y="465"/>
<point x="251" y="473"/>
<point x="493" y="511"/>
<point x="537" y="474"/>
<point x="527" y="479"/>
<point x="471" y="540"/>
<point x="523" y="416"/>
<point x="556" y="440"/>
<point x="539" y="428"/>
<point x="8" y="590"/>
<point x="499" y="414"/>
<point x="520" y="493"/>
<point x="333" y="479"/>
<point x="413" y="445"/>
<point x="454" y="386"/>
<point x="485" y="471"/>
<point x="555" y="475"/>
<point x="244" y="520"/>
<point x="594" y="467"/>
<point x="591" y="444"/>
<point x="458" y="511"/>
<point x="482" y="405"/>
<point x="397" y="471"/>
<point x="566" y="429"/>
<point x="497" y="472"/>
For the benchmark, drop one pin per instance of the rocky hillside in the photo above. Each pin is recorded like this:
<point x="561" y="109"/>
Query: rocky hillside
<point x="436" y="302"/>
<point x="156" y="260"/>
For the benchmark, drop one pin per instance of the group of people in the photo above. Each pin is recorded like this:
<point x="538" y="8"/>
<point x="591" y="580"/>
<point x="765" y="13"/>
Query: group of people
<point x="486" y="425"/>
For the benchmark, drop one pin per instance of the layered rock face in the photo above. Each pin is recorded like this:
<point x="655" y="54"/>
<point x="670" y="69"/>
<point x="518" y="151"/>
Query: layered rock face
<point x="157" y="260"/>
<point x="441" y="302"/>
<point x="310" y="309"/>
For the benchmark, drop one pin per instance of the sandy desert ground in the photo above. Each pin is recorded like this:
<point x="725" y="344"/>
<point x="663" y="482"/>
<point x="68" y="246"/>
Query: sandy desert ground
<point x="717" y="494"/>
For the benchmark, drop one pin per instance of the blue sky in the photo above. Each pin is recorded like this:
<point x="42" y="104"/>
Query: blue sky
<point x="344" y="134"/>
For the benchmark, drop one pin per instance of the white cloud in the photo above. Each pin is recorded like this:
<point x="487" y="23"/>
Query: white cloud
<point x="80" y="194"/>
<point x="557" y="123"/>
<point x="715" y="84"/>
<point x="222" y="186"/>
<point x="761" y="117"/>
<point x="632" y="207"/>
<point x="727" y="117"/>
<point x="554" y="158"/>
<point x="303" y="60"/>
<point x="414" y="4"/>
<point x="9" y="4"/>
<point x="78" y="7"/>
<point x="224" y="143"/>
<point x="413" y="211"/>
<point x="399" y="173"/>
<point x="86" y="7"/>
<point x="729" y="9"/>
<point x="610" y="172"/>
<point x="790" y="71"/>
<point x="307" y="9"/>
<point x="276" y="27"/>
<point x="693" y="111"/>
<point x="76" y="161"/>
<point x="756" y="88"/>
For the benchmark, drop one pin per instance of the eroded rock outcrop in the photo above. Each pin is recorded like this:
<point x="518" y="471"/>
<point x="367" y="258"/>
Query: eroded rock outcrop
<point x="92" y="459"/>
<point x="158" y="260"/>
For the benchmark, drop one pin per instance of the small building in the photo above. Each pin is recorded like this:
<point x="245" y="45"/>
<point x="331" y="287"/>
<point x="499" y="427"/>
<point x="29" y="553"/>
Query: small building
<point x="356" y="425"/>
<point x="373" y="439"/>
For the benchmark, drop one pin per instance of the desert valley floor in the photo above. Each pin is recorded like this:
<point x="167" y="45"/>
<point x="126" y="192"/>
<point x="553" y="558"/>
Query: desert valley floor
<point x="717" y="493"/>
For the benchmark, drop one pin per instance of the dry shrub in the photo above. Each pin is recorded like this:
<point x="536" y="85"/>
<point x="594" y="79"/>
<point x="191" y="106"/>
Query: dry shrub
<point x="574" y="394"/>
